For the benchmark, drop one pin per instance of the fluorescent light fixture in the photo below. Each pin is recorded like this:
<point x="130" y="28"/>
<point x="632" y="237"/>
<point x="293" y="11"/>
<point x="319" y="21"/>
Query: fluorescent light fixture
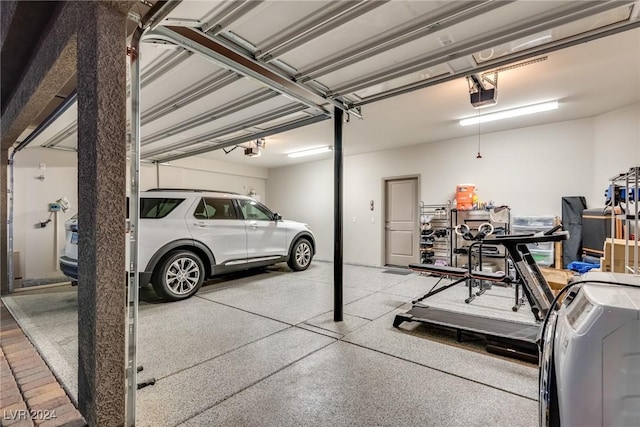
<point x="530" y="42"/>
<point x="505" y="114"/>
<point x="311" y="151"/>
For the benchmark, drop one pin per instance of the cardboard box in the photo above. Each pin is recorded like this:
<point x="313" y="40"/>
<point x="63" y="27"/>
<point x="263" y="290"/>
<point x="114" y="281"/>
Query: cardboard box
<point x="618" y="255"/>
<point x="618" y="266"/>
<point x="618" y="249"/>
<point x="556" y="278"/>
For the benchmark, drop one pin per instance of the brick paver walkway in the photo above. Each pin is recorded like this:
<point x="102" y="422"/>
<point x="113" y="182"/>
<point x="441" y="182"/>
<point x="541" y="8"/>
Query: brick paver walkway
<point x="30" y="395"/>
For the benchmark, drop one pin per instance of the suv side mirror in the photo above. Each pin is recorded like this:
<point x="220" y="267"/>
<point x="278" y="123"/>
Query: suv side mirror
<point x="277" y="217"/>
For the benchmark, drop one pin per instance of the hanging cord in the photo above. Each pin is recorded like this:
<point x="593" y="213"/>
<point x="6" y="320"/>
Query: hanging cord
<point x="43" y="224"/>
<point x="479" y="156"/>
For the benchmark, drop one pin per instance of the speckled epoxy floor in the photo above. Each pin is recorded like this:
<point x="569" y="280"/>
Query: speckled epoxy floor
<point x="262" y="349"/>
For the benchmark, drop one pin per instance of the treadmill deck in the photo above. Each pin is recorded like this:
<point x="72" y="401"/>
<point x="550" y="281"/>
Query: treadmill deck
<point x="505" y="337"/>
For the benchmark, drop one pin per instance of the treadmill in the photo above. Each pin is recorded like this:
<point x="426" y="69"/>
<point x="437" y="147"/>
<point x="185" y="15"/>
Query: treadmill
<point x="506" y="337"/>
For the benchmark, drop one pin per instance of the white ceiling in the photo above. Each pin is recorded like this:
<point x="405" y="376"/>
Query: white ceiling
<point x="587" y="78"/>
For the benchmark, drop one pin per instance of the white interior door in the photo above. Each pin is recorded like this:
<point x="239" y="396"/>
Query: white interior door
<point x="401" y="221"/>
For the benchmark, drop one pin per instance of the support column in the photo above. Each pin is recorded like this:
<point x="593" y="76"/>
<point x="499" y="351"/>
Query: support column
<point x="101" y="213"/>
<point x="337" y="210"/>
<point x="4" y="241"/>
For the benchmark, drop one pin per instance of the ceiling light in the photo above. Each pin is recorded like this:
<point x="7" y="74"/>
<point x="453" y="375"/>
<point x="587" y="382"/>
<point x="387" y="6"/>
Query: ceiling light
<point x="530" y="42"/>
<point x="505" y="114"/>
<point x="311" y="152"/>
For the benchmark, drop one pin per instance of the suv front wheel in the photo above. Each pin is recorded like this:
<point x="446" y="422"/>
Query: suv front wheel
<point x="179" y="276"/>
<point x="300" y="256"/>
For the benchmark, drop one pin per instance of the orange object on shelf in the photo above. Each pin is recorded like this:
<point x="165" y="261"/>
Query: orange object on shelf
<point x="464" y="196"/>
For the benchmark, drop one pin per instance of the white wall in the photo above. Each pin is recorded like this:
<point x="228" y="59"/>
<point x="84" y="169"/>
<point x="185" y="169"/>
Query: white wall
<point x="529" y="169"/>
<point x="616" y="146"/>
<point x="38" y="257"/>
<point x="212" y="175"/>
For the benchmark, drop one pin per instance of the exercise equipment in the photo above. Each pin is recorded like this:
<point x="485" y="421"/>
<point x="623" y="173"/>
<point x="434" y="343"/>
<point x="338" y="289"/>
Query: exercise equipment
<point x="506" y="337"/>
<point x="485" y="229"/>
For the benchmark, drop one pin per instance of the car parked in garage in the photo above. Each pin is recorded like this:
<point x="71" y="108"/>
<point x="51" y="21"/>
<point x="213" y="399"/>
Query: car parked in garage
<point x="186" y="236"/>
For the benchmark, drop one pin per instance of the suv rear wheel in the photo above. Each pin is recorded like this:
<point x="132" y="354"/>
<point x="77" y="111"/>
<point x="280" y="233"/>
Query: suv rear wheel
<point x="300" y="256"/>
<point x="179" y="276"/>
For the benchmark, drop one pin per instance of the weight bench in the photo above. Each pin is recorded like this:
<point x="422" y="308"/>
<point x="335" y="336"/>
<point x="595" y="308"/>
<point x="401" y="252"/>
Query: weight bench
<point x="463" y="274"/>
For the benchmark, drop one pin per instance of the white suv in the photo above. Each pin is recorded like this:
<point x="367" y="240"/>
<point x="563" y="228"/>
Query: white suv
<point x="186" y="236"/>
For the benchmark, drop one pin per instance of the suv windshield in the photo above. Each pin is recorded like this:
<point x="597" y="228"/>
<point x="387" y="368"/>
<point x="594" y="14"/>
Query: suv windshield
<point x="157" y="207"/>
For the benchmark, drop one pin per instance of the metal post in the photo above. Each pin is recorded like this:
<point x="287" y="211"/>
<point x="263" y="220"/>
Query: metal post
<point x="337" y="206"/>
<point x="157" y="12"/>
<point x="10" y="266"/>
<point x="134" y="195"/>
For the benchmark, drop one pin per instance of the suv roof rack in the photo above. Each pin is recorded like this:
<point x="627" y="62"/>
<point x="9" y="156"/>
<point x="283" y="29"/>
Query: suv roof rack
<point x="194" y="190"/>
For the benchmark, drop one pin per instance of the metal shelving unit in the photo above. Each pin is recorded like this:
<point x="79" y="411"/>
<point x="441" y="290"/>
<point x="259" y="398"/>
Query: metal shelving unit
<point x="435" y="234"/>
<point x="629" y="216"/>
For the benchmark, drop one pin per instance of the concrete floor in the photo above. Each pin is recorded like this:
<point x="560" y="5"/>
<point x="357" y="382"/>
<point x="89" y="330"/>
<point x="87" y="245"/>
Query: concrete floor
<point x="261" y="348"/>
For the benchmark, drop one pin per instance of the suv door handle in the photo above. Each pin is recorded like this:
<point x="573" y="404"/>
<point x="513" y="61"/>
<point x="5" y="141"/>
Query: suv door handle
<point x="253" y="224"/>
<point x="200" y="224"/>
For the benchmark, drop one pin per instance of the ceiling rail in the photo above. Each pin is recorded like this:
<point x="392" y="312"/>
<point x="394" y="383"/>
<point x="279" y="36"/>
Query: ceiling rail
<point x="506" y="60"/>
<point x="163" y="67"/>
<point x="249" y="100"/>
<point x="246" y="138"/>
<point x="451" y="14"/>
<point x="231" y="12"/>
<point x="492" y="39"/>
<point x="199" y="90"/>
<point x="59" y="111"/>
<point x="247" y="66"/>
<point x="235" y="127"/>
<point x="313" y="26"/>
<point x="61" y="135"/>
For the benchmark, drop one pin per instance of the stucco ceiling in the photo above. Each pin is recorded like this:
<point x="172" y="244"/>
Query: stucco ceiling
<point x="297" y="61"/>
